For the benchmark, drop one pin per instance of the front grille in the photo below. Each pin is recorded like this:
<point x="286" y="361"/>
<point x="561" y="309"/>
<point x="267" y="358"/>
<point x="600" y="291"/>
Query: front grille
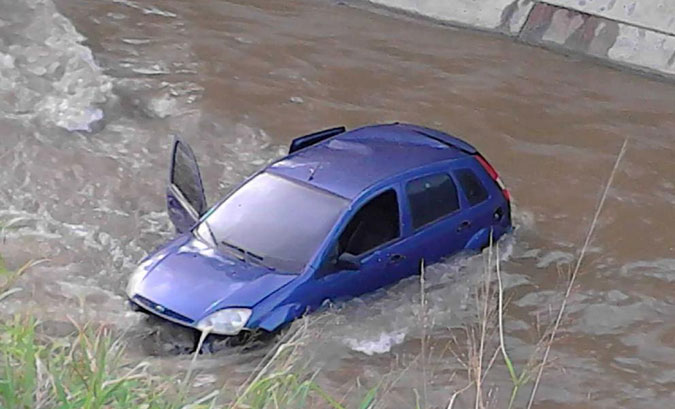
<point x="161" y="310"/>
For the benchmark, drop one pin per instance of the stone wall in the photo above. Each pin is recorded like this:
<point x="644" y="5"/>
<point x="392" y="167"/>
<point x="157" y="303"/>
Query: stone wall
<point x="635" y="33"/>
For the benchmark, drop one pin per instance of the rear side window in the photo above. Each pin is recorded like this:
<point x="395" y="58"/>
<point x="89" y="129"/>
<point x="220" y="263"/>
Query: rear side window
<point x="430" y="198"/>
<point x="473" y="189"/>
<point x="376" y="223"/>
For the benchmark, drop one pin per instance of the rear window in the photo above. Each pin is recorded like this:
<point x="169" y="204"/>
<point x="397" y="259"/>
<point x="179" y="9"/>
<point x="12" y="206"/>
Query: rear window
<point x="473" y="189"/>
<point x="430" y="198"/>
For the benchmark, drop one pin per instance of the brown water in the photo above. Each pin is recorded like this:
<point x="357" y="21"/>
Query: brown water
<point x="239" y="80"/>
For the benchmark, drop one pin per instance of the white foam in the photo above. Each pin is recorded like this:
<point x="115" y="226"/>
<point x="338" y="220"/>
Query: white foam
<point x="45" y="71"/>
<point x="378" y="345"/>
<point x="136" y="41"/>
<point x="163" y="106"/>
<point x="557" y="257"/>
<point x="377" y="322"/>
<point x="146" y="10"/>
<point x="154" y="69"/>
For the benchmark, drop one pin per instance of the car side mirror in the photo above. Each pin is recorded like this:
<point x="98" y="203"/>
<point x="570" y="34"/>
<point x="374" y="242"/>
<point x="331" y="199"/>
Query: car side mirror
<point x="348" y="261"/>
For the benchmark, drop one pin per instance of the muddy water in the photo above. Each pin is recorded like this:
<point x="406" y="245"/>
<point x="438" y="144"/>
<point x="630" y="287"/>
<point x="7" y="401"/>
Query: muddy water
<point x="239" y="79"/>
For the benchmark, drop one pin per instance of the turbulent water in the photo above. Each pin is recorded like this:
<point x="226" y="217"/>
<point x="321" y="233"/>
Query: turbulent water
<point x="90" y="93"/>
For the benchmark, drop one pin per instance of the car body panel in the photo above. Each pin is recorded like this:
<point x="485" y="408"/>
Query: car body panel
<point x="194" y="279"/>
<point x="442" y="136"/>
<point x="482" y="215"/>
<point x="280" y="316"/>
<point x="371" y="154"/>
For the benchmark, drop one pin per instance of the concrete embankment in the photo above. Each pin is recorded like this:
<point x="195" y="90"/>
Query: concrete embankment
<point x="634" y="33"/>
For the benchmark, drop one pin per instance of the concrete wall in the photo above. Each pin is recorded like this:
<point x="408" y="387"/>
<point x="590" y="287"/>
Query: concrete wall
<point x="502" y="15"/>
<point x="635" y="33"/>
<point x="653" y="14"/>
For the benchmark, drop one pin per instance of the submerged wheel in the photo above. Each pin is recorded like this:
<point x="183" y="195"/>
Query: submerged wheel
<point x="248" y="340"/>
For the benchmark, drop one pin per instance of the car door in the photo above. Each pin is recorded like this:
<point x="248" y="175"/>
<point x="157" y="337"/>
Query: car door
<point x="368" y="253"/>
<point x="439" y="227"/>
<point x="185" y="194"/>
<point x="483" y="209"/>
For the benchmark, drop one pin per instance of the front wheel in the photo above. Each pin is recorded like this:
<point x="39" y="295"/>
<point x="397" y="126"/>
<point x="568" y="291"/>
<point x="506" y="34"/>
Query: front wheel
<point x="248" y="340"/>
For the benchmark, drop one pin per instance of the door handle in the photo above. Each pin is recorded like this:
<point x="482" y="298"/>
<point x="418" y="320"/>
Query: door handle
<point x="464" y="225"/>
<point x="396" y="258"/>
<point x="498" y="214"/>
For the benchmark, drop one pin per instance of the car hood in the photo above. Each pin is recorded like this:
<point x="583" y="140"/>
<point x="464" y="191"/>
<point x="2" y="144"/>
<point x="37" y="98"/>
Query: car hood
<point x="194" y="280"/>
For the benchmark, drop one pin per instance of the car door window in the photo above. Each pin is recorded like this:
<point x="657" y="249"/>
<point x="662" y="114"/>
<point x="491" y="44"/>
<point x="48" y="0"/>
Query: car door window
<point x="473" y="189"/>
<point x="431" y="198"/>
<point x="376" y="223"/>
<point x="185" y="176"/>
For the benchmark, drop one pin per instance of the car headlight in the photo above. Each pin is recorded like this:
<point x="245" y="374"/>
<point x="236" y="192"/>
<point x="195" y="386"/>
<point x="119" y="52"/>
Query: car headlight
<point x="225" y="322"/>
<point x="138" y="275"/>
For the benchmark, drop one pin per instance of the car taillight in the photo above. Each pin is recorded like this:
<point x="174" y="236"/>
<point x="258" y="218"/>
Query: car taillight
<point x="495" y="176"/>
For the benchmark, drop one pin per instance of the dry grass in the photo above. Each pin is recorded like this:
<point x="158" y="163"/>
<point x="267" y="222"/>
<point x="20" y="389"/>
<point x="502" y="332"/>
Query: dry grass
<point x="486" y="340"/>
<point x="572" y="278"/>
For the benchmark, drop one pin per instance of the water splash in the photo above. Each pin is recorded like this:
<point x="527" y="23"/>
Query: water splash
<point x="45" y="71"/>
<point x="375" y="323"/>
<point x="378" y="345"/>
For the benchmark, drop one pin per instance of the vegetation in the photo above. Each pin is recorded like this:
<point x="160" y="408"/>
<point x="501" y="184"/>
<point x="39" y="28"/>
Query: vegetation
<point x="89" y="371"/>
<point x="486" y="341"/>
<point x="8" y="277"/>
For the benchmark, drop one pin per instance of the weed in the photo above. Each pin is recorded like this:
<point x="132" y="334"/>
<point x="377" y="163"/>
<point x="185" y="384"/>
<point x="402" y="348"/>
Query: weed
<point x="89" y="371"/>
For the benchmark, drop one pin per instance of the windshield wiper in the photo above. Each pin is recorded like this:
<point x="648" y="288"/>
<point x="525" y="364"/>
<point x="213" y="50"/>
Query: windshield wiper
<point x="238" y="250"/>
<point x="246" y="254"/>
<point x="259" y="261"/>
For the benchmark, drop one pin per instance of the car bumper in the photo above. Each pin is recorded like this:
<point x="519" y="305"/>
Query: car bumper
<point x="139" y="303"/>
<point x="142" y="304"/>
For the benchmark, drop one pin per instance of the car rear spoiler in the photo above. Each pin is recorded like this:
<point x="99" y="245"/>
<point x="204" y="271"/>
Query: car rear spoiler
<point x="314" y="138"/>
<point x="467" y="148"/>
<point x="449" y="140"/>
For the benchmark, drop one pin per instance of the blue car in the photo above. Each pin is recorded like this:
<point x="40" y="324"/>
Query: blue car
<point x="345" y="213"/>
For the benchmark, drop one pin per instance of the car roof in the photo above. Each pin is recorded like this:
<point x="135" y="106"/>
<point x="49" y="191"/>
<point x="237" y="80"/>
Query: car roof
<point x="352" y="161"/>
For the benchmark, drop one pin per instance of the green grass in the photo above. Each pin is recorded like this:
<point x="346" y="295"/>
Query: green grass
<point x="88" y="370"/>
<point x="9" y="277"/>
<point x="84" y="371"/>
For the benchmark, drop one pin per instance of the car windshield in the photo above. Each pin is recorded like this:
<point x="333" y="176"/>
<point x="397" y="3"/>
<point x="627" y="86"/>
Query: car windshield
<point x="273" y="221"/>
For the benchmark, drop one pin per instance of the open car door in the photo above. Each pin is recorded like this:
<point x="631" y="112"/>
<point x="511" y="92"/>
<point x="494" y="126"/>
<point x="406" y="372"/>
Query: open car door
<point x="185" y="195"/>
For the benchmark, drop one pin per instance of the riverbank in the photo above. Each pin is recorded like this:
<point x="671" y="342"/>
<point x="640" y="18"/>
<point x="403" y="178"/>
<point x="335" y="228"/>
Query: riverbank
<point x="88" y="368"/>
<point x="624" y="33"/>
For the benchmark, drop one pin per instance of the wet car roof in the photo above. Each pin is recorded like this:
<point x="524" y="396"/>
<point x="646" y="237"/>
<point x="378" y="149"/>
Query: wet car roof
<point x="349" y="163"/>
